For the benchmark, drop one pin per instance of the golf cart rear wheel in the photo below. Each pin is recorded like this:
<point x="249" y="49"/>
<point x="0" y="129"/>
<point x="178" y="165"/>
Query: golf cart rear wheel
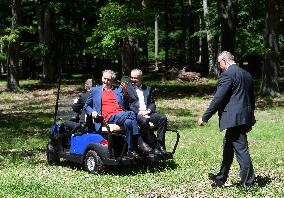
<point x="52" y="155"/>
<point x="93" y="163"/>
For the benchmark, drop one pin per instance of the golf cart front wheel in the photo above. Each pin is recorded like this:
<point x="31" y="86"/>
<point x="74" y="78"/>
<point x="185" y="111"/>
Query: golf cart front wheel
<point x="93" y="163"/>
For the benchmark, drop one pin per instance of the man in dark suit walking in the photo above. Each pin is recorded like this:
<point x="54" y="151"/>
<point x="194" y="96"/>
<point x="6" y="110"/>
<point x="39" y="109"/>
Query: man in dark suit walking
<point x="234" y="100"/>
<point x="141" y="102"/>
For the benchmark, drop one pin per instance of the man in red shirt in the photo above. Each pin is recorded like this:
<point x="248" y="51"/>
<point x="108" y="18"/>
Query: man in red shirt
<point x="108" y="101"/>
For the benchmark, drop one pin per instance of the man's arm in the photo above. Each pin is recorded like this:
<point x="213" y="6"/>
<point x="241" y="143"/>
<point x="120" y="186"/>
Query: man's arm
<point x="78" y="106"/>
<point x="224" y="87"/>
<point x="89" y="104"/>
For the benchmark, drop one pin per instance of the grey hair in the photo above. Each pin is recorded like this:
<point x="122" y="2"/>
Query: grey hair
<point x="226" y="55"/>
<point x="89" y="83"/>
<point x="139" y="71"/>
<point x="111" y="72"/>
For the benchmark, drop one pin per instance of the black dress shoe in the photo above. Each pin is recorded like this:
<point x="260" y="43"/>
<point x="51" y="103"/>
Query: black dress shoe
<point x="132" y="154"/>
<point x="164" y="152"/>
<point x="157" y="152"/>
<point x="144" y="147"/>
<point x="216" y="182"/>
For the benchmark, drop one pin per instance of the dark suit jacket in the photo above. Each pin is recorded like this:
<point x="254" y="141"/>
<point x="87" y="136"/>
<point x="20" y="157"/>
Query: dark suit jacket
<point x="94" y="102"/>
<point x="234" y="99"/>
<point x="78" y="107"/>
<point x="133" y="100"/>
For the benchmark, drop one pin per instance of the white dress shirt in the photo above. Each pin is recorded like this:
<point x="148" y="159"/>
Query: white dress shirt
<point x="142" y="104"/>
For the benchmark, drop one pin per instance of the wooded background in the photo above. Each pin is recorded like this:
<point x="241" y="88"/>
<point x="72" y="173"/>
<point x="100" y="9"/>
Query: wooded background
<point x="40" y="39"/>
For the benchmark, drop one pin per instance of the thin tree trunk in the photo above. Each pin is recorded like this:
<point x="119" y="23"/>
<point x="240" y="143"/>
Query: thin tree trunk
<point x="228" y="20"/>
<point x="190" y="27"/>
<point x="271" y="66"/>
<point x="156" y="43"/>
<point x="13" y="50"/>
<point x="46" y="36"/>
<point x="128" y="55"/>
<point x="166" y="35"/>
<point x="213" y="71"/>
<point x="145" y="64"/>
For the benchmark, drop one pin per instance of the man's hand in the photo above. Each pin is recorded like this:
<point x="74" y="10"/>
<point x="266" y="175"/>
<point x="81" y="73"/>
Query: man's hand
<point x="144" y="113"/>
<point x="123" y="85"/>
<point x="200" y="122"/>
<point x="94" y="114"/>
<point x="75" y="100"/>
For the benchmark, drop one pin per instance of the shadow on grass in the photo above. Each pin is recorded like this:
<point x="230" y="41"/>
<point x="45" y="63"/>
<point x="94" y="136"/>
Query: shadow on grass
<point x="125" y="170"/>
<point x="23" y="125"/>
<point x="187" y="121"/>
<point x="144" y="167"/>
<point x="183" y="90"/>
<point x="18" y="156"/>
<point x="268" y="102"/>
<point x="260" y="182"/>
<point x="66" y="80"/>
<point x="263" y="181"/>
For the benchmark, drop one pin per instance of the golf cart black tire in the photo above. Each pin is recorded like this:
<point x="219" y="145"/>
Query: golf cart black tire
<point x="93" y="163"/>
<point x="52" y="155"/>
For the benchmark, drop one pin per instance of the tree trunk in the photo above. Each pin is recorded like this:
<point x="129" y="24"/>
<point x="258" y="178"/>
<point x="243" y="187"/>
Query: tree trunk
<point x="166" y="35"/>
<point x="13" y="50"/>
<point x="213" y="71"/>
<point x="46" y="36"/>
<point x="228" y="20"/>
<point x="144" y="45"/>
<point x="156" y="43"/>
<point x="189" y="42"/>
<point x="128" y="55"/>
<point x="271" y="66"/>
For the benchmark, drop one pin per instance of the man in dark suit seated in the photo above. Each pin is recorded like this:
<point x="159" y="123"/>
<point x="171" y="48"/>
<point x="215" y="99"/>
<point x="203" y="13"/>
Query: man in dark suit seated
<point x="78" y="104"/>
<point x="235" y="102"/>
<point x="141" y="102"/>
<point x="108" y="101"/>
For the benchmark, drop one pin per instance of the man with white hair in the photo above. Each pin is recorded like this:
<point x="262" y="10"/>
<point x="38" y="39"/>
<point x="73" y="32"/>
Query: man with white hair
<point x="141" y="102"/>
<point x="235" y="102"/>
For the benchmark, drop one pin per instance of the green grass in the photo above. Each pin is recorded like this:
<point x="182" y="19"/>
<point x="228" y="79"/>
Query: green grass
<point x="26" y="118"/>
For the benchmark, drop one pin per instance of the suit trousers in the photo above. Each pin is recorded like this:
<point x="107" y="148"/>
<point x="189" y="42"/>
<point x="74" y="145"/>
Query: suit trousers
<point x="235" y="141"/>
<point x="159" y="121"/>
<point x="128" y="120"/>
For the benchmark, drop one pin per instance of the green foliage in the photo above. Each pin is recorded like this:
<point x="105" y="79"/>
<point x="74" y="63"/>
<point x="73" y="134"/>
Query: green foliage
<point x="35" y="50"/>
<point x="2" y="56"/>
<point x="12" y="36"/>
<point x="212" y="20"/>
<point x="116" y="22"/>
<point x="250" y="28"/>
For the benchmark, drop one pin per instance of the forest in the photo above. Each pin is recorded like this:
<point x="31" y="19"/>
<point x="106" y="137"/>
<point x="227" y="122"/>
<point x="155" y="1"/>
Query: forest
<point x="41" y="39"/>
<point x="48" y="48"/>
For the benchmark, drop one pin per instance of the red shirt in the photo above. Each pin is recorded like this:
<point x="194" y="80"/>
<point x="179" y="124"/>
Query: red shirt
<point x="109" y="104"/>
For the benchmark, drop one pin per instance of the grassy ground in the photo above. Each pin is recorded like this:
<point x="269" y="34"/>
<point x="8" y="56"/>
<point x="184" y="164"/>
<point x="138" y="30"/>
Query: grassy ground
<point x="26" y="118"/>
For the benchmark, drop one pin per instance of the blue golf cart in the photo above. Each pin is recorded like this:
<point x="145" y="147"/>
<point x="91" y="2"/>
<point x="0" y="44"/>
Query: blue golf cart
<point x="80" y="143"/>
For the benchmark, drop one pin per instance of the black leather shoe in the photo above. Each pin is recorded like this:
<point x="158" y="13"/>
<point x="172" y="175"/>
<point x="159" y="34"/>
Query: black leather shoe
<point x="164" y="152"/>
<point x="216" y="182"/>
<point x="144" y="147"/>
<point x="157" y="152"/>
<point x="132" y="154"/>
